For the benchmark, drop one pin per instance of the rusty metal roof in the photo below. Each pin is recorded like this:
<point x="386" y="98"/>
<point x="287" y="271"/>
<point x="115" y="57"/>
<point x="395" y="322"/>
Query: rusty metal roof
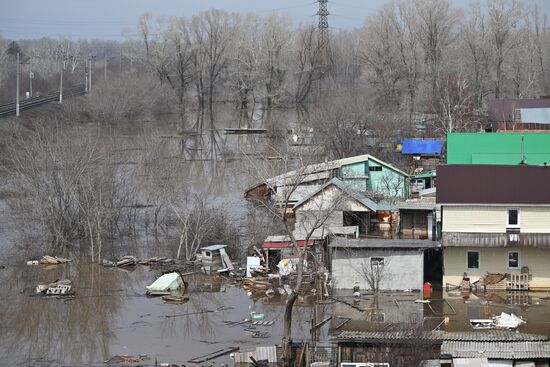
<point x="497" y="350"/>
<point x="493" y="184"/>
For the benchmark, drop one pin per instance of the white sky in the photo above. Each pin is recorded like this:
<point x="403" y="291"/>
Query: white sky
<point x="106" y="19"/>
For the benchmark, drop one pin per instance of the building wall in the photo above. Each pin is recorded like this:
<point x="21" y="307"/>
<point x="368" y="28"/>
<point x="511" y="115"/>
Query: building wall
<point x="387" y="181"/>
<point x="305" y="219"/>
<point x="494" y="148"/>
<point x="404" y="269"/>
<point x="355" y="176"/>
<point x="358" y="177"/>
<point x="493" y="219"/>
<point x="494" y="260"/>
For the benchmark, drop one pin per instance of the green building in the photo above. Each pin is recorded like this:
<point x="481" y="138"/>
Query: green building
<point x="366" y="173"/>
<point x="498" y="148"/>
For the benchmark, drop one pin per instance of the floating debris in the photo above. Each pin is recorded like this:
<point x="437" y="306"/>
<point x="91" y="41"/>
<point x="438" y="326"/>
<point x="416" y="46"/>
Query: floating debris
<point x="213" y="355"/>
<point x="60" y="287"/>
<point x="166" y="284"/>
<point x="126" y="359"/>
<point x="49" y="260"/>
<point x="175" y="299"/>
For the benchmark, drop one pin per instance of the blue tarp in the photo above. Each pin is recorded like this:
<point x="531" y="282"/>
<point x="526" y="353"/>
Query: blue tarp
<point x="417" y="147"/>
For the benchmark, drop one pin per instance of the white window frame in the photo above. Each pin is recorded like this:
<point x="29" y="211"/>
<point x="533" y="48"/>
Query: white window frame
<point x="508" y="260"/>
<point x="478" y="259"/>
<point x="508" y="225"/>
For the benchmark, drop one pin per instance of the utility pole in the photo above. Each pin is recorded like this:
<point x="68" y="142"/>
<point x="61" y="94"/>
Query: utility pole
<point x="17" y="89"/>
<point x="90" y="74"/>
<point x="31" y="77"/>
<point x="61" y="79"/>
<point x="105" y="71"/>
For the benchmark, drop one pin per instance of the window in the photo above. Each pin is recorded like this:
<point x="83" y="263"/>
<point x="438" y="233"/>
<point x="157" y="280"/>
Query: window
<point x="375" y="168"/>
<point x="513" y="218"/>
<point x="513" y="260"/>
<point x="378" y="317"/>
<point x="473" y="259"/>
<point x="377" y="261"/>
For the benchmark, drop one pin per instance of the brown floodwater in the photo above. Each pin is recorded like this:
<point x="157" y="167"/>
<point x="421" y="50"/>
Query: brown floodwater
<point x="110" y="315"/>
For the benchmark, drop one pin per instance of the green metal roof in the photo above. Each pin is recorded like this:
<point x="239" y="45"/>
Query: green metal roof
<point x="498" y="148"/>
<point x="429" y="174"/>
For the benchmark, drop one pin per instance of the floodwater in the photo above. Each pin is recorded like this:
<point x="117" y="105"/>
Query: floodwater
<point x="110" y="315"/>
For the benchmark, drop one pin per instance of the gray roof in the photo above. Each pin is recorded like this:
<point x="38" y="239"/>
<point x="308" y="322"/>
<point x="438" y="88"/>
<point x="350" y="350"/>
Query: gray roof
<point x="382" y="243"/>
<point x="362" y="199"/>
<point x="497" y="350"/>
<point x="213" y="247"/>
<point x="426" y="203"/>
<point x="467" y="336"/>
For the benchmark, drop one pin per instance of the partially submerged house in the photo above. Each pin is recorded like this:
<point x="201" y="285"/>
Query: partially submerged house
<point x="336" y="207"/>
<point x="495" y="219"/>
<point x="396" y="264"/>
<point x="364" y="174"/>
<point x="498" y="148"/>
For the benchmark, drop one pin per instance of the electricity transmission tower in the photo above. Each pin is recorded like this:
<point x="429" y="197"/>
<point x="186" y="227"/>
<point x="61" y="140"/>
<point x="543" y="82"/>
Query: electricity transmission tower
<point x="323" y="25"/>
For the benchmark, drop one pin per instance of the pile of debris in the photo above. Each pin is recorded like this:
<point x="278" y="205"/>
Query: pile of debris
<point x="502" y="321"/>
<point x="58" y="288"/>
<point x="49" y="260"/>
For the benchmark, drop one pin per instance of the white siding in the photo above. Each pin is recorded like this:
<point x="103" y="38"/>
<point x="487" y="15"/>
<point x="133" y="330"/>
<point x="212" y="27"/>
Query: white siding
<point x="493" y="219"/>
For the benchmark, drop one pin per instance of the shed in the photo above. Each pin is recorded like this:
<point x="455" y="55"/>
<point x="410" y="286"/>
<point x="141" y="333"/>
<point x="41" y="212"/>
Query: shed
<point x="398" y="263"/>
<point x="214" y="258"/>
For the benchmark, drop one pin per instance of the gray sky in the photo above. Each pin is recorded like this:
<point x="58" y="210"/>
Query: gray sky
<point x="107" y="19"/>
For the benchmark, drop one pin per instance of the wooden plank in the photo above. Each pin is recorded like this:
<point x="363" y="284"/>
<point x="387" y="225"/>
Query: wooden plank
<point x="213" y="355"/>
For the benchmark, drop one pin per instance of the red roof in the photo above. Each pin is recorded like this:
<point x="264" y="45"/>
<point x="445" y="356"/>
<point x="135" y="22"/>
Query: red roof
<point x="270" y="245"/>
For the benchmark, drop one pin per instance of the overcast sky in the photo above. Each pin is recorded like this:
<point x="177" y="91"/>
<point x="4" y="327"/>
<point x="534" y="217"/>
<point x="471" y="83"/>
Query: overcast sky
<point x="107" y="19"/>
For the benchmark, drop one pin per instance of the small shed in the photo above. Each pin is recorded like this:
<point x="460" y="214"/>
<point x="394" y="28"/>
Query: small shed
<point x="215" y="259"/>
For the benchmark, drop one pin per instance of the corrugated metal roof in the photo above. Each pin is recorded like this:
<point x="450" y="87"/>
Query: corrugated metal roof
<point x="382" y="243"/>
<point x="259" y="354"/>
<point x="493" y="184"/>
<point x="426" y="203"/>
<point x="463" y="239"/>
<point x="487" y="336"/>
<point x="327" y="166"/>
<point x="431" y="147"/>
<point x="497" y="350"/>
<point x="362" y="199"/>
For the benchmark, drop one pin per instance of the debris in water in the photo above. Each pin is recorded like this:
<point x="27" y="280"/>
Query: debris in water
<point x="126" y="359"/>
<point x="213" y="355"/>
<point x="52" y="260"/>
<point x="60" y="287"/>
<point x="166" y="284"/>
<point x="175" y="299"/>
